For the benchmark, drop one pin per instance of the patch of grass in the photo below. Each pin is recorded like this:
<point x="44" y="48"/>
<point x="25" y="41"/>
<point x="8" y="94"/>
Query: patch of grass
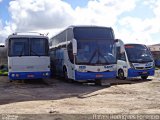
<point x="3" y="73"/>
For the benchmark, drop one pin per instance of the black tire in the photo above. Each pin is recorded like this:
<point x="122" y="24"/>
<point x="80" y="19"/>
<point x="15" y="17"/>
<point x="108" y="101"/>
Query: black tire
<point x="144" y="77"/>
<point x="121" y="75"/>
<point x="98" y="82"/>
<point x="66" y="76"/>
<point x="10" y="80"/>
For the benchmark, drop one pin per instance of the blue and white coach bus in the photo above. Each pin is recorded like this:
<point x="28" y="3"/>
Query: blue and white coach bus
<point x="28" y="56"/>
<point x="134" y="60"/>
<point x="84" y="53"/>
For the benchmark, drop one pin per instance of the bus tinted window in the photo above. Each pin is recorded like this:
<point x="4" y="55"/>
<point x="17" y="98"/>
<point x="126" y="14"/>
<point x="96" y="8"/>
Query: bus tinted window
<point x="38" y="46"/>
<point x="19" y="47"/>
<point x="138" y="53"/>
<point x="28" y="47"/>
<point x="92" y="52"/>
<point x="92" y="33"/>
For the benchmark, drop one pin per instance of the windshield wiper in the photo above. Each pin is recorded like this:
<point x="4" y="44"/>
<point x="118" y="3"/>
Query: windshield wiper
<point x="35" y="53"/>
<point x="100" y="54"/>
<point x="93" y="55"/>
<point x="21" y="51"/>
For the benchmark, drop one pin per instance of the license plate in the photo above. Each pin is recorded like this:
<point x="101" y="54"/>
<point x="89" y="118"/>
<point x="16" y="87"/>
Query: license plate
<point x="144" y="72"/>
<point x="98" y="75"/>
<point x="30" y="76"/>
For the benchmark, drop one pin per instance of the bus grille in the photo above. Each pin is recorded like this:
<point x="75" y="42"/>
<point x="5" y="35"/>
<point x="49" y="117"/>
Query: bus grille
<point x="143" y="68"/>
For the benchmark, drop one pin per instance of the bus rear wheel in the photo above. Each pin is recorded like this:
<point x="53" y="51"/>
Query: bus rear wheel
<point x="144" y="77"/>
<point x="121" y="75"/>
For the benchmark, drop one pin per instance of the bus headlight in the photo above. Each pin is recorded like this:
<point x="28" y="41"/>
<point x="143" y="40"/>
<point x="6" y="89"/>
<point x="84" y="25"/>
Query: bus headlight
<point x="82" y="69"/>
<point x="13" y="75"/>
<point x="17" y="75"/>
<point x="47" y="74"/>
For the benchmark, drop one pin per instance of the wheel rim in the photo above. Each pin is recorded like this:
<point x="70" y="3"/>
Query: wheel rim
<point x="121" y="74"/>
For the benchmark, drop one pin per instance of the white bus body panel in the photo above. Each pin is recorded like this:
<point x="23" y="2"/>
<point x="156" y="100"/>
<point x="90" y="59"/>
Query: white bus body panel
<point x="31" y="67"/>
<point x="124" y="66"/>
<point x="29" y="64"/>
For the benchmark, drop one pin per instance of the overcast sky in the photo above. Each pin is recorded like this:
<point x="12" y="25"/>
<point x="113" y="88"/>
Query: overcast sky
<point x="133" y="21"/>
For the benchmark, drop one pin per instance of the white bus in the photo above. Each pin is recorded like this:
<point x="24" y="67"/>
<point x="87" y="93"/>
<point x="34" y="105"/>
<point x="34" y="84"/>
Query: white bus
<point x="134" y="60"/>
<point x="84" y="53"/>
<point x="28" y="56"/>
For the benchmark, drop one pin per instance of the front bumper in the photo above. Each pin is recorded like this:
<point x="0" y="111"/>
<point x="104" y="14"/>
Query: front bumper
<point x="135" y="73"/>
<point x="28" y="75"/>
<point x="94" y="75"/>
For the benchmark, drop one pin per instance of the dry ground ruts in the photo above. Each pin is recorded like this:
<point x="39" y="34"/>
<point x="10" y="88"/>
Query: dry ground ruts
<point x="39" y="97"/>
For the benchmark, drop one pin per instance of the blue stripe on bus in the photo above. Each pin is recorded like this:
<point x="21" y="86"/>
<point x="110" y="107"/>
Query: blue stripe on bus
<point x="94" y="75"/>
<point x="135" y="73"/>
<point x="28" y="75"/>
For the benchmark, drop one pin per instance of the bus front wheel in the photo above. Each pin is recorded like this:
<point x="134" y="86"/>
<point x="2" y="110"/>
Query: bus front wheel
<point x="144" y="77"/>
<point x="121" y="75"/>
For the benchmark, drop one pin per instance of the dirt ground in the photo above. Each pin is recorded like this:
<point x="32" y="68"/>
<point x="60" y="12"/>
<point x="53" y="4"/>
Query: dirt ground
<point x="56" y="97"/>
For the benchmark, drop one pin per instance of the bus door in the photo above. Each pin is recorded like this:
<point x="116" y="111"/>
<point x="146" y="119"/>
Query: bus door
<point x="122" y="64"/>
<point x="70" y="62"/>
<point x="59" y="61"/>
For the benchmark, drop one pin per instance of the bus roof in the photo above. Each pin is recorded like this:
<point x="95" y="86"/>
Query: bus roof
<point x="73" y="26"/>
<point x="134" y="44"/>
<point x="80" y="26"/>
<point x="27" y="35"/>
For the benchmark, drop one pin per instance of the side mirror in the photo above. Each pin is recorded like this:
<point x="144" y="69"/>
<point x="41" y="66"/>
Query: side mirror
<point x="122" y="50"/>
<point x="74" y="46"/>
<point x="119" y="43"/>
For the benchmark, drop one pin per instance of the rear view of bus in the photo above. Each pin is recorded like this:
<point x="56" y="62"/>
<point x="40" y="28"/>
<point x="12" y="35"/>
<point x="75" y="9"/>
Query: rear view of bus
<point x="28" y="56"/>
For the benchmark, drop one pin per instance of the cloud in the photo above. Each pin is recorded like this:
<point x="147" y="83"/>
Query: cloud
<point x="103" y="12"/>
<point x="108" y="13"/>
<point x="6" y="30"/>
<point x="133" y="29"/>
<point x="37" y="15"/>
<point x="47" y="14"/>
<point x="0" y="24"/>
<point x="40" y="14"/>
<point x="54" y="15"/>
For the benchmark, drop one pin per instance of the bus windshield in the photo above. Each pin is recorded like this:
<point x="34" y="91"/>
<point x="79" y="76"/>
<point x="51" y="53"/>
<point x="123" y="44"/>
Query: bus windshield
<point x="95" y="52"/>
<point x="38" y="46"/>
<point x="95" y="45"/>
<point x="28" y="47"/>
<point x="138" y="53"/>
